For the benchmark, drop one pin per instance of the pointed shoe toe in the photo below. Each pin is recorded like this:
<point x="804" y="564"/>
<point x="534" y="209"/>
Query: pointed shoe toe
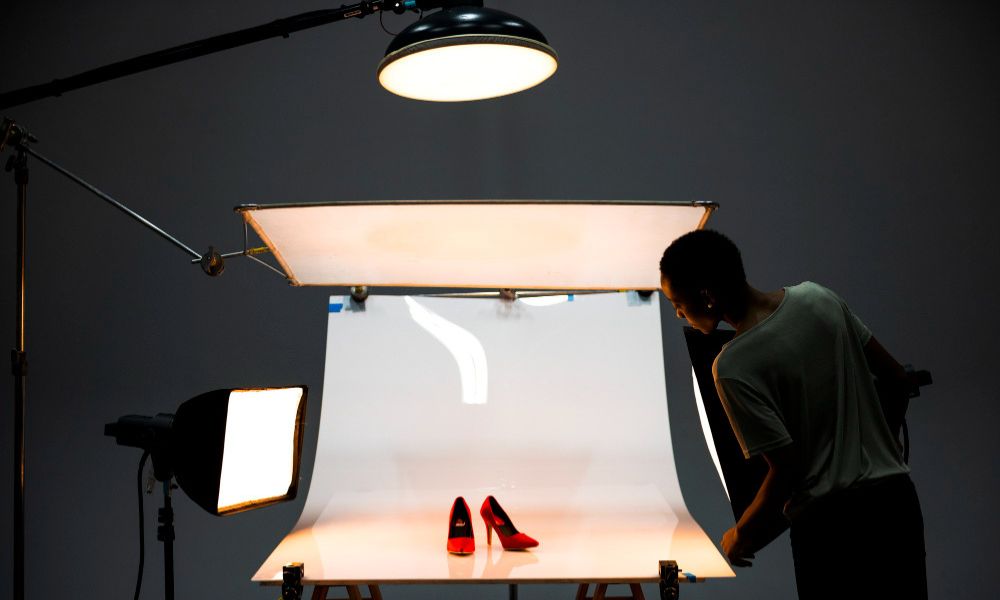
<point x="462" y="545"/>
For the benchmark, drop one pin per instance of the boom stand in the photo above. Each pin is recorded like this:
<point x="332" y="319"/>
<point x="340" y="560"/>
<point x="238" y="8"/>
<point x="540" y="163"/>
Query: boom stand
<point x="211" y="262"/>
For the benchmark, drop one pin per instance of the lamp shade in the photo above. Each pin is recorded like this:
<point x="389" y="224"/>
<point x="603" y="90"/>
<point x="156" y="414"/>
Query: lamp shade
<point x="466" y="53"/>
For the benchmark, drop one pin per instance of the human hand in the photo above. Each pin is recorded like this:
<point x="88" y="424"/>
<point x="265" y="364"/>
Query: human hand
<point x="735" y="550"/>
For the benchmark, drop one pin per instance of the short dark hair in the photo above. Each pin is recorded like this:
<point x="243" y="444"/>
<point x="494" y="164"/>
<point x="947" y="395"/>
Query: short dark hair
<point x="703" y="260"/>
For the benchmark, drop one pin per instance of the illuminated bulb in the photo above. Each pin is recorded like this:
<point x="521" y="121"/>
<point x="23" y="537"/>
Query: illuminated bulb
<point x="468" y="71"/>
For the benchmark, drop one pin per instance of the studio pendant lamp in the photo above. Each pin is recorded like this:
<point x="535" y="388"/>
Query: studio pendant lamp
<point x="461" y="52"/>
<point x="466" y="52"/>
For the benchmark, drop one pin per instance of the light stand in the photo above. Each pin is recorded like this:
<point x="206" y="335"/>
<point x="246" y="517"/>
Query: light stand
<point x="212" y="263"/>
<point x="19" y="362"/>
<point x="165" y="534"/>
<point x="215" y="448"/>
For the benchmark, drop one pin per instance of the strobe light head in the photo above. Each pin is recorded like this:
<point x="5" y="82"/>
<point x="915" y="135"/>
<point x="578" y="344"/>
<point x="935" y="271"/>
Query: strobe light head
<point x="231" y="450"/>
<point x="466" y="52"/>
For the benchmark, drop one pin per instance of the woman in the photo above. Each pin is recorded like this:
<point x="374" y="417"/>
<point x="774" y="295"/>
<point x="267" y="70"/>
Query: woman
<point x="796" y="382"/>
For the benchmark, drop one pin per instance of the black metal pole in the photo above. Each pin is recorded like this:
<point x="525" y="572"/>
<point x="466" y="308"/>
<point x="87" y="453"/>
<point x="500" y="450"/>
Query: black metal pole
<point x="128" y="211"/>
<point x="280" y="27"/>
<point x="165" y="533"/>
<point x="19" y="364"/>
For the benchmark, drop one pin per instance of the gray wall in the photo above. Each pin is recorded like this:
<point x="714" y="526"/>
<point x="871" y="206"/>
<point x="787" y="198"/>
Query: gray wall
<point x="849" y="143"/>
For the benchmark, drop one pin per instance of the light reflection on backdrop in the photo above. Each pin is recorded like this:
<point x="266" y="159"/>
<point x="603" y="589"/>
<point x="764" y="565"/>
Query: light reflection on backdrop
<point x="464" y="347"/>
<point x="703" y="417"/>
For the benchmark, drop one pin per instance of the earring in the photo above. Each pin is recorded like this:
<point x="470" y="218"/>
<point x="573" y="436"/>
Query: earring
<point x="709" y="306"/>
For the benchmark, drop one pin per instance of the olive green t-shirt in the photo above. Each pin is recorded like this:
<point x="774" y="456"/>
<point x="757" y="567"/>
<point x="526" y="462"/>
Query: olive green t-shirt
<point x="800" y="378"/>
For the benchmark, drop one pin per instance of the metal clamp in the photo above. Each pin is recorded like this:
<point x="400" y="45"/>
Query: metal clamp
<point x="669" y="580"/>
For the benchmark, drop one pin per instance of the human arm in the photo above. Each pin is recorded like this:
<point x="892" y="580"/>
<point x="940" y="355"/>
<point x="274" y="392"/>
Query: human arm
<point x="895" y="386"/>
<point x="763" y="520"/>
<point x="759" y="429"/>
<point x="882" y="364"/>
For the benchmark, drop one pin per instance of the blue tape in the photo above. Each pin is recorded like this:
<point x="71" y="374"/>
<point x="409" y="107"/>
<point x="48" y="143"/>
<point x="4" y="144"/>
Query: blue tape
<point x="691" y="577"/>
<point x="632" y="298"/>
<point x="569" y="298"/>
<point x="336" y="307"/>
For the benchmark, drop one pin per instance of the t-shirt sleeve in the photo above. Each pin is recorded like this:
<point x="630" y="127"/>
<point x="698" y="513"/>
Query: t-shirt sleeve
<point x="755" y="418"/>
<point x="860" y="328"/>
<point x="857" y="325"/>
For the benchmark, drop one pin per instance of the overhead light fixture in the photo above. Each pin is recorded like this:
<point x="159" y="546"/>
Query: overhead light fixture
<point x="462" y="52"/>
<point x="230" y="450"/>
<point x="466" y="52"/>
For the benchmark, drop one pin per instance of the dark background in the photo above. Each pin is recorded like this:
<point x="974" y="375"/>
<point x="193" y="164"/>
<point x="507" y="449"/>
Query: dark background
<point x="849" y="143"/>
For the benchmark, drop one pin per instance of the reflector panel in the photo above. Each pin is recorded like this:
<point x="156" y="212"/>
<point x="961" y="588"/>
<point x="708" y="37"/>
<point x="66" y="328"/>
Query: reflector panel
<point x="496" y="244"/>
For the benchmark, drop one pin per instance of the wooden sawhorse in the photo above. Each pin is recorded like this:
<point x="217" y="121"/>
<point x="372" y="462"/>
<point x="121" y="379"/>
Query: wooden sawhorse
<point x="601" y="590"/>
<point x="353" y="592"/>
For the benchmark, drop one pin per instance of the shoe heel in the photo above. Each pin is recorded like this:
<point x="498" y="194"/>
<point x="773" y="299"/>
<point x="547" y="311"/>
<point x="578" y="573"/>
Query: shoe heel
<point x="489" y="533"/>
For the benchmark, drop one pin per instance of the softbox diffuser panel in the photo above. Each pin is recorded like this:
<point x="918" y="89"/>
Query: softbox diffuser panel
<point x="476" y="244"/>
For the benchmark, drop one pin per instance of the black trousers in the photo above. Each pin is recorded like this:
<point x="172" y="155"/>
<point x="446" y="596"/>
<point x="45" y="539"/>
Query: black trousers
<point x="866" y="542"/>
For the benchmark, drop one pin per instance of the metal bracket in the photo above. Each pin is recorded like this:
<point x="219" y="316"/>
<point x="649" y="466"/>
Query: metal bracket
<point x="291" y="581"/>
<point x="18" y="363"/>
<point x="15" y="135"/>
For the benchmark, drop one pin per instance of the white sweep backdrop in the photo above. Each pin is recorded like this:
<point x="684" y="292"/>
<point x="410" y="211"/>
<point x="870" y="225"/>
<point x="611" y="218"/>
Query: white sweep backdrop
<point x="558" y="410"/>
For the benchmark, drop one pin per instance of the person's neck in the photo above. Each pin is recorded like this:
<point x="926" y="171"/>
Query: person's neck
<point x="751" y="307"/>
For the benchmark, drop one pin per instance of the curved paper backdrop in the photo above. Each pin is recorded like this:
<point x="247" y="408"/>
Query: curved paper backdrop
<point x="558" y="409"/>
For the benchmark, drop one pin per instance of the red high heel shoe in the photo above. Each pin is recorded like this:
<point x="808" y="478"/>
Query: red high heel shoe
<point x="460" y="537"/>
<point x="497" y="519"/>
